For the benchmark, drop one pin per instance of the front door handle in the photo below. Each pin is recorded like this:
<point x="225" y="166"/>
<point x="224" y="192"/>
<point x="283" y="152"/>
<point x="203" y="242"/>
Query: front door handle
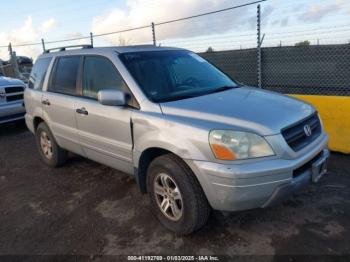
<point x="82" y="111"/>
<point x="46" y="102"/>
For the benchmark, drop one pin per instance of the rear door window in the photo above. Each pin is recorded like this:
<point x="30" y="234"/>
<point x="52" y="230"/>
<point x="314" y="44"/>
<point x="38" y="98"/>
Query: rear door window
<point x="66" y="72"/>
<point x="37" y="76"/>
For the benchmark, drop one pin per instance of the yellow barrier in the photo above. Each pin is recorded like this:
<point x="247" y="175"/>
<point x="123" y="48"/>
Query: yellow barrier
<point x="335" y="114"/>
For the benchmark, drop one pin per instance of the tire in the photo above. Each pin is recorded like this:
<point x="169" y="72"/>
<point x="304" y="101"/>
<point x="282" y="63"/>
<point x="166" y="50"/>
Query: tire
<point x="194" y="207"/>
<point x="55" y="156"/>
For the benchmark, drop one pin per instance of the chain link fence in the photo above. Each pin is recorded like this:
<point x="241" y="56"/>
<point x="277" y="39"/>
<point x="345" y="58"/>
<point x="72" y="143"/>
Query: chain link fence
<point x="304" y="69"/>
<point x="241" y="65"/>
<point x="308" y="70"/>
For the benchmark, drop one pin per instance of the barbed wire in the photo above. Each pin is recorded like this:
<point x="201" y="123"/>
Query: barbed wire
<point x="140" y="27"/>
<point x="219" y="38"/>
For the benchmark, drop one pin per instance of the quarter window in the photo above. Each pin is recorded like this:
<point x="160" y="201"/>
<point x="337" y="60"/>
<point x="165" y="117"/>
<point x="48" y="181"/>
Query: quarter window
<point x="100" y="73"/>
<point x="38" y="73"/>
<point x="65" y="79"/>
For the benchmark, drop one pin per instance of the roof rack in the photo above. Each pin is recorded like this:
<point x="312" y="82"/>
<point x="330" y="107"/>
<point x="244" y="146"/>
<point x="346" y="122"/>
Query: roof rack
<point x="63" y="48"/>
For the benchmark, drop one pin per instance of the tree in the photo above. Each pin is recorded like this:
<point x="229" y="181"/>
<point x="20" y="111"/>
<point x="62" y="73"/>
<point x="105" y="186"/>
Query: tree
<point x="303" y="43"/>
<point x="210" y="49"/>
<point x="122" y="41"/>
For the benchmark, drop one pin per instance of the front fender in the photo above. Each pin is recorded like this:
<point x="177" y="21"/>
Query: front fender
<point x="153" y="130"/>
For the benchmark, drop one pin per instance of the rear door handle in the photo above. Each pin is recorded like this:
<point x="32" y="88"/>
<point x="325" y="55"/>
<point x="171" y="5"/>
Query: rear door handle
<point x="82" y="111"/>
<point x="46" y="102"/>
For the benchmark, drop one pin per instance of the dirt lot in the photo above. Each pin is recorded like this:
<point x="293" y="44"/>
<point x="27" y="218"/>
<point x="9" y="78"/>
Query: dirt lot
<point x="88" y="209"/>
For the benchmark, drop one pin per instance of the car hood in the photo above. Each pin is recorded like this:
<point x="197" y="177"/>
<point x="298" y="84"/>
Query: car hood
<point x="244" y="108"/>
<point x="8" y="81"/>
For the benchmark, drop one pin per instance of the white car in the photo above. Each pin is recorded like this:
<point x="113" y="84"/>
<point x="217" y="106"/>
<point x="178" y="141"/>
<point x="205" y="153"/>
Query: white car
<point x="11" y="99"/>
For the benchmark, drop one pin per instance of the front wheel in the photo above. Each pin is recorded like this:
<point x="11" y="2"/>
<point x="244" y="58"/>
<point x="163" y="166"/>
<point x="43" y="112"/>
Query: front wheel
<point x="177" y="198"/>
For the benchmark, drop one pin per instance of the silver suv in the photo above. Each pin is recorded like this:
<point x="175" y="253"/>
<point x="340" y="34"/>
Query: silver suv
<point x="192" y="137"/>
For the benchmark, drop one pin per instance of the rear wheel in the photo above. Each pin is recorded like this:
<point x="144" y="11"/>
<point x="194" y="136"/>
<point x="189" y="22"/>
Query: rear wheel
<point x="177" y="198"/>
<point x="50" y="151"/>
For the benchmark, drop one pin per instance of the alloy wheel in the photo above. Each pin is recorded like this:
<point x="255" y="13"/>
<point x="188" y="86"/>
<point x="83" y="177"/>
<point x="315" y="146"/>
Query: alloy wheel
<point x="168" y="196"/>
<point x="46" y="145"/>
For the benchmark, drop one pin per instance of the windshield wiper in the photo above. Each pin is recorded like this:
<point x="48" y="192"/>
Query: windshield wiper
<point x="219" y="89"/>
<point x="179" y="97"/>
<point x="174" y="98"/>
<point x="222" y="88"/>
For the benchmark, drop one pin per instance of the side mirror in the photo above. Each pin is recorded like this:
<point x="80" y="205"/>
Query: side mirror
<point x="109" y="97"/>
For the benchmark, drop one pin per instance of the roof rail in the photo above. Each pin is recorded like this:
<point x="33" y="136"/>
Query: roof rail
<point x="63" y="48"/>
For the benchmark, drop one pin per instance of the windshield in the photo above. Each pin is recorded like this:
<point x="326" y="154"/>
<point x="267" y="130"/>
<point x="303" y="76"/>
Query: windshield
<point x="172" y="75"/>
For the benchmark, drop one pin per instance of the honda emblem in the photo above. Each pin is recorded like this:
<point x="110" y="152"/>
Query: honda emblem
<point x="307" y="130"/>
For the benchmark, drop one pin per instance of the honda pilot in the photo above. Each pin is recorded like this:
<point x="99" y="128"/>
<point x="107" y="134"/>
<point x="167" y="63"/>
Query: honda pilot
<point x="193" y="138"/>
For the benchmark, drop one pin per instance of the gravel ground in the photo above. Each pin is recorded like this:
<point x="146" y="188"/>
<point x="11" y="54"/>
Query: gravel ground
<point x="85" y="208"/>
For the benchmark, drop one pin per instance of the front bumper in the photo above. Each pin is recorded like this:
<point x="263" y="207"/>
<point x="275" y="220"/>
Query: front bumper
<point x="257" y="184"/>
<point x="11" y="111"/>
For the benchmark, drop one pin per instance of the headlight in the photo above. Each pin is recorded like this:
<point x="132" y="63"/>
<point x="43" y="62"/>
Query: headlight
<point x="235" y="145"/>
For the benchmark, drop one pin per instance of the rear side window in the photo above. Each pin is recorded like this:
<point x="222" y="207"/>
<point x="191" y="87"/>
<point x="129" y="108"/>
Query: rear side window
<point x="65" y="78"/>
<point x="100" y="73"/>
<point x="37" y="76"/>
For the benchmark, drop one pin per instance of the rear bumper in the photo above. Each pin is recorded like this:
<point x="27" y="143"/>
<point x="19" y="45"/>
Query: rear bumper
<point x="11" y="112"/>
<point x="256" y="184"/>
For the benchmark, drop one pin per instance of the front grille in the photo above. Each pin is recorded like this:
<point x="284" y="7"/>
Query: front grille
<point x="14" y="93"/>
<point x="13" y="89"/>
<point x="295" y="135"/>
<point x="14" y="98"/>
